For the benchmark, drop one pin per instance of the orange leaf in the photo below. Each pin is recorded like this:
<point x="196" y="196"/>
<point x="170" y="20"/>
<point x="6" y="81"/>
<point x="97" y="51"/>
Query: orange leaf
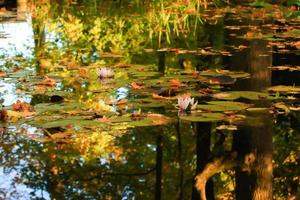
<point x="47" y="82"/>
<point x="175" y="82"/>
<point x="136" y="85"/>
<point x="121" y="101"/>
<point x="21" y="106"/>
<point x="156" y="96"/>
<point x="82" y="72"/>
<point x="105" y="119"/>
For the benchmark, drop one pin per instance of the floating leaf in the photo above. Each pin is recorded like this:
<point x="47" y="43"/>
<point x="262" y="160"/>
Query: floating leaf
<point x="221" y="106"/>
<point x="203" y="117"/>
<point x="148" y="103"/>
<point x="232" y="74"/>
<point x="285" y="89"/>
<point x="67" y="121"/>
<point x="144" y="120"/>
<point x="233" y="95"/>
<point x="51" y="107"/>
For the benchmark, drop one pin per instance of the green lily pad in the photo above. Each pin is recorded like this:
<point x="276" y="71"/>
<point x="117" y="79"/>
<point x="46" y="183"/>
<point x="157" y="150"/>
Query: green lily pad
<point x="232" y="74"/>
<point x="142" y="120"/>
<point x="145" y="74"/>
<point x="148" y="103"/>
<point x="75" y="121"/>
<point x="221" y="106"/>
<point x="203" y="117"/>
<point x="285" y="89"/>
<point x="51" y="107"/>
<point x="233" y="95"/>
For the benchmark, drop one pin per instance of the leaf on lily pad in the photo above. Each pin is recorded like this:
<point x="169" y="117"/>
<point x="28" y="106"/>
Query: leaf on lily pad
<point x="233" y="95"/>
<point x="203" y="117"/>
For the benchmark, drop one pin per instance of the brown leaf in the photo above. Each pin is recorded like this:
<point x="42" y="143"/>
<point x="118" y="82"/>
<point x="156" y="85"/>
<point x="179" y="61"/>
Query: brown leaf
<point x="3" y="115"/>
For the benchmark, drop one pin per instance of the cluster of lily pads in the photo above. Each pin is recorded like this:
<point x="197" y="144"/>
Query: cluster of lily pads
<point x="128" y="95"/>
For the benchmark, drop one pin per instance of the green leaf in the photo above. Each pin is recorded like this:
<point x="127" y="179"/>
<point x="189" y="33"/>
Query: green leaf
<point x="285" y="89"/>
<point x="221" y="106"/>
<point x="52" y="107"/>
<point x="202" y="117"/>
<point x="233" y="95"/>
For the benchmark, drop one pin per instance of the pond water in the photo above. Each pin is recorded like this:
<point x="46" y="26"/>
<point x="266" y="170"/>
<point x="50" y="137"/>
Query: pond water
<point x="99" y="101"/>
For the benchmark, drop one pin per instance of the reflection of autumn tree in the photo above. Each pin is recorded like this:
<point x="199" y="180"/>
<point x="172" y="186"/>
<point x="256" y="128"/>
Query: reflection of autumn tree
<point x="259" y="181"/>
<point x="257" y="137"/>
<point x="252" y="143"/>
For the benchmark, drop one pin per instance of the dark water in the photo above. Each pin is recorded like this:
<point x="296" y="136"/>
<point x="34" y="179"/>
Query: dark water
<point x="258" y="149"/>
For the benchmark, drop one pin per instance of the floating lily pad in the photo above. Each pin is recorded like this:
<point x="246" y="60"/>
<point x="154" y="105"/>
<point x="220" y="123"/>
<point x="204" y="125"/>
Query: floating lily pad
<point x="233" y="95"/>
<point x="51" y="107"/>
<point x="148" y="103"/>
<point x="74" y="121"/>
<point x="232" y="74"/>
<point x="285" y="89"/>
<point x="142" y="120"/>
<point x="221" y="106"/>
<point x="203" y="117"/>
<point x="144" y="74"/>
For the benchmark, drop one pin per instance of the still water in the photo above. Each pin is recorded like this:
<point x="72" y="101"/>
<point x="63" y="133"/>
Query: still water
<point x="125" y="136"/>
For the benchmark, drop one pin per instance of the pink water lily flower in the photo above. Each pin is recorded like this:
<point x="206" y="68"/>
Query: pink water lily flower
<point x="105" y="73"/>
<point x="185" y="102"/>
